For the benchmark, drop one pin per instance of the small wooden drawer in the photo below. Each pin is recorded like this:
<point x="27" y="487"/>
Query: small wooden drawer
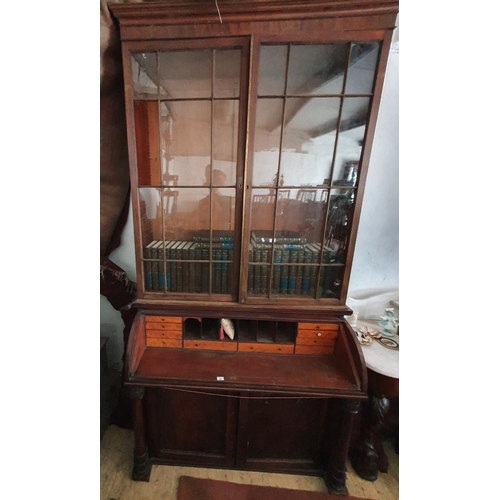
<point x="164" y="334"/>
<point x="214" y="345"/>
<point x="319" y="326"/>
<point x="157" y="342"/>
<point x="317" y="334"/>
<point x="261" y="347"/>
<point x="164" y="326"/>
<point x="329" y="341"/>
<point x="312" y="349"/>
<point x="164" y="319"/>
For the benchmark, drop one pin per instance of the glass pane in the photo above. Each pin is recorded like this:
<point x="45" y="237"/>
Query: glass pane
<point x="338" y="224"/>
<point x="267" y="141"/>
<point x="227" y="73"/>
<point x="147" y="143"/>
<point x="262" y="221"/>
<point x="316" y="69"/>
<point x="185" y="74"/>
<point x="300" y="219"/>
<point x="309" y="140"/>
<point x="225" y="141"/>
<point x="362" y="64"/>
<point x="186" y="142"/>
<point x="272" y="69"/>
<point x="330" y="281"/>
<point x="223" y="207"/>
<point x="302" y="212"/>
<point x="144" y="77"/>
<point x="222" y="268"/>
<point x="151" y="232"/>
<point x="350" y="141"/>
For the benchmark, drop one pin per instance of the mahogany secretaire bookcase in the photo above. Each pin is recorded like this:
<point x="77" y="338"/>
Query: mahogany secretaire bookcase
<point x="250" y="125"/>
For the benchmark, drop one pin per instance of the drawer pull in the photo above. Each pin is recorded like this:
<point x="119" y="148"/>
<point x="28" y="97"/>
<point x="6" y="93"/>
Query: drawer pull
<point x="319" y="334"/>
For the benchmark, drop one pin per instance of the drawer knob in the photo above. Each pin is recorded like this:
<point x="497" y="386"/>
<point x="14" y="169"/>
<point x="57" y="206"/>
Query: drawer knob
<point x="319" y="334"/>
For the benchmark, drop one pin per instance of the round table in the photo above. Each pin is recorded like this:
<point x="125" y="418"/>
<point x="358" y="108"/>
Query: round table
<point x="367" y="454"/>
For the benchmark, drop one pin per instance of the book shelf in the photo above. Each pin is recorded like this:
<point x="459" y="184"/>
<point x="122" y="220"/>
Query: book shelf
<point x="249" y="143"/>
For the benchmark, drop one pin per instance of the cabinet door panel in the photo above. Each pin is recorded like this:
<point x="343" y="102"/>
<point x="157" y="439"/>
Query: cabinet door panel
<point x="191" y="428"/>
<point x="284" y="434"/>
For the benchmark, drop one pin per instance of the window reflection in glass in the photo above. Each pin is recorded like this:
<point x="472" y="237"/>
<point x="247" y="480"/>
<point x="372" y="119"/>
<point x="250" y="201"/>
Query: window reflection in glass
<point x="362" y="65"/>
<point x="269" y="118"/>
<point x="225" y="139"/>
<point x="185" y="74"/>
<point x="186" y="141"/>
<point x="339" y="218"/>
<point x="316" y="69"/>
<point x="309" y="140"/>
<point x="151" y="236"/>
<point x="272" y="69"/>
<point x="227" y="73"/>
<point x="302" y="211"/>
<point x="350" y="141"/>
<point x="144" y="75"/>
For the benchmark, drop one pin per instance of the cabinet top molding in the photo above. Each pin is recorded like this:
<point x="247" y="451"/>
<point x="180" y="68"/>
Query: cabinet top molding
<point x="205" y="11"/>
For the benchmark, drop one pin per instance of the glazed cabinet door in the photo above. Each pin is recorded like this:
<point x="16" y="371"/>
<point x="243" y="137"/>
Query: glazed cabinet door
<point x="191" y="428"/>
<point x="247" y="182"/>
<point x="309" y="111"/>
<point x="188" y="100"/>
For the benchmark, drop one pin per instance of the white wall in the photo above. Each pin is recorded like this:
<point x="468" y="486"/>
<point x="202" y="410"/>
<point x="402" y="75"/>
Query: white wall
<point x="376" y="256"/>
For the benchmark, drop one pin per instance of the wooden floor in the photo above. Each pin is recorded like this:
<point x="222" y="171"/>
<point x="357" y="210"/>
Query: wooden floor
<point x="117" y="447"/>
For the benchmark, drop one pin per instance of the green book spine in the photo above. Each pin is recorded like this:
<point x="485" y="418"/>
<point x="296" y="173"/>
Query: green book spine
<point x="277" y="271"/>
<point x="306" y="276"/>
<point x="292" y="272"/>
<point x="256" y="271"/>
<point x="197" y="255"/>
<point x="185" y="267"/>
<point x="173" y="266"/>
<point x="178" y="265"/>
<point x="161" y="267"/>
<point x="192" y="268"/>
<point x="230" y="258"/>
<point x="216" y="269"/>
<point x="223" y="276"/>
<point x="154" y="266"/>
<point x="314" y="248"/>
<point x="168" y="271"/>
<point x="205" y="266"/>
<point x="148" y="276"/>
<point x="300" y="272"/>
<point x="284" y="272"/>
<point x="251" y="270"/>
<point x="264" y="270"/>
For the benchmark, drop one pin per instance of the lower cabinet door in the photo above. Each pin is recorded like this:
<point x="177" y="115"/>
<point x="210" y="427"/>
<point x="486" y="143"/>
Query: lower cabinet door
<point x="245" y="431"/>
<point x="191" y="428"/>
<point x="282" y="435"/>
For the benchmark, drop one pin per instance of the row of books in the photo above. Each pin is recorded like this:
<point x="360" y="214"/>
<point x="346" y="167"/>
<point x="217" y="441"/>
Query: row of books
<point x="299" y="274"/>
<point x="184" y="266"/>
<point x="172" y="268"/>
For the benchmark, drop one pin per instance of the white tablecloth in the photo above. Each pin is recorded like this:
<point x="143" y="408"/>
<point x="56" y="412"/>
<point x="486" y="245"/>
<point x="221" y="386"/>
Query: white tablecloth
<point x="378" y="358"/>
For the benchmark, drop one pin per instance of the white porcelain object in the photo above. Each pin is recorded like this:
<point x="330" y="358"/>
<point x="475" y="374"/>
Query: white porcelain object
<point x="228" y="327"/>
<point x="388" y="322"/>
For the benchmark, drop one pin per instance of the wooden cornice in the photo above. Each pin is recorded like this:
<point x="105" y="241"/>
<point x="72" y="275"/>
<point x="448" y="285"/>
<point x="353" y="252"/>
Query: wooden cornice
<point x="164" y="12"/>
